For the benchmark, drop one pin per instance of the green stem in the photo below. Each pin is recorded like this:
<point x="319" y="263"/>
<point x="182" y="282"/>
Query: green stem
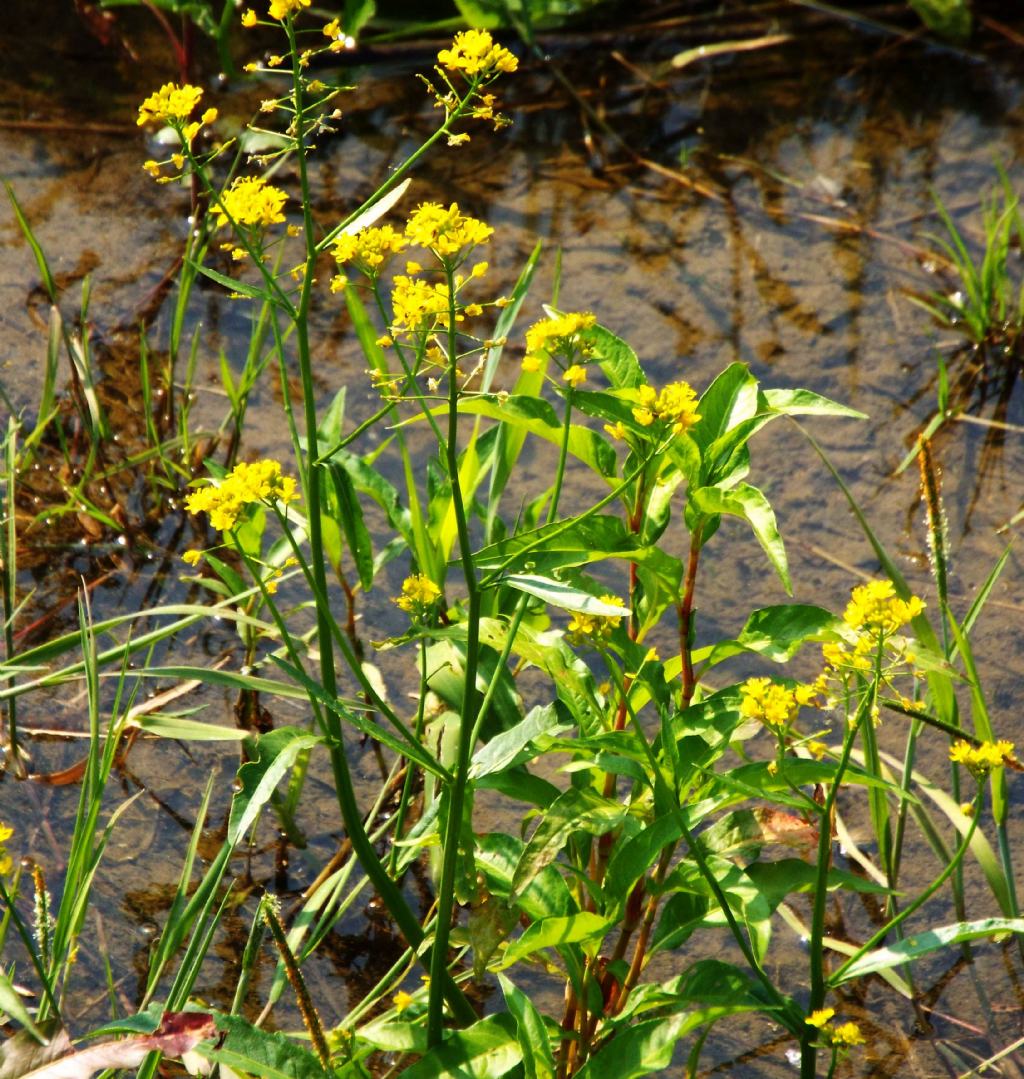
<point x="808" y="1051"/>
<point x="470" y="707"/>
<point x="386" y="888"/>
<point x="919" y="902"/>
<point x="563" y="453"/>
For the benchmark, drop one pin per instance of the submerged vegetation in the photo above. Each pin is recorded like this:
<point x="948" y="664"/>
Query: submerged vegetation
<point x="675" y="806"/>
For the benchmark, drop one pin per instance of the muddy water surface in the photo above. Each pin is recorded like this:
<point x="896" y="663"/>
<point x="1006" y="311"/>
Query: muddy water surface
<point x="772" y="208"/>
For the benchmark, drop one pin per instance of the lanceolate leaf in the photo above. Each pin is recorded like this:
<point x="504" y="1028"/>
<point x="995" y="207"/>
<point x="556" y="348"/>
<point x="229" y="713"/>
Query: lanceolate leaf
<point x="269" y="1054"/>
<point x="562" y="595"/>
<point x="486" y="1050"/>
<point x="538" y="1060"/>
<point x="750" y="504"/>
<point x="931" y="940"/>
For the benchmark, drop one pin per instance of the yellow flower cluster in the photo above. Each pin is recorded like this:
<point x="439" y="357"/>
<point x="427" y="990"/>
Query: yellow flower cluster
<point x="244" y="485"/>
<point x="981" y="759"/>
<point x="368" y="249"/>
<point x="419" y="594"/>
<point x="251" y="201"/>
<point x="558" y="334"/>
<point x="593" y="629"/>
<point x="417" y="305"/>
<point x="843" y="1036"/>
<point x="6" y="862"/>
<point x="676" y="404"/>
<point x="474" y="54"/>
<point x="775" y="706"/>
<point x="448" y="233"/>
<point x="170" y="103"/>
<point x="875" y="607"/>
<point x="281" y="9"/>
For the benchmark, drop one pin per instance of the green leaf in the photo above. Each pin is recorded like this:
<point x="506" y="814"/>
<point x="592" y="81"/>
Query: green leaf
<point x="577" y="810"/>
<point x="538" y="1059"/>
<point x="350" y="519"/>
<point x="12" y="1005"/>
<point x="750" y="504"/>
<point x="778" y="879"/>
<point x="271" y="755"/>
<point x="729" y="400"/>
<point x="486" y="1050"/>
<point x="240" y="287"/>
<point x="535" y="415"/>
<point x="776" y="633"/>
<point x="564" y="596"/>
<point x="640" y="1049"/>
<point x="807" y="403"/>
<point x="618" y="361"/>
<point x="187" y="730"/>
<point x="503" y="748"/>
<point x="554" y="932"/>
<point x="253" y="1051"/>
<point x="931" y="940"/>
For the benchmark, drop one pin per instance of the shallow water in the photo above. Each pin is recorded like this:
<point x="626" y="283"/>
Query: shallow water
<point x="781" y="219"/>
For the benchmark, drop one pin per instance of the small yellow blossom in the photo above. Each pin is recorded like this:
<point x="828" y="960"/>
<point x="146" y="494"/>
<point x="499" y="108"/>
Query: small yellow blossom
<point x="368" y="249"/>
<point x="531" y="363"/>
<point x="616" y="430"/>
<point x="774" y="705"/>
<point x="575" y="375"/>
<point x="153" y="168"/>
<point x="401" y="1000"/>
<point x="450" y="233"/>
<point x="474" y="54"/>
<point x="593" y="629"/>
<point x="192" y="558"/>
<point x="560" y="333"/>
<point x="876" y="607"/>
<point x="413" y="268"/>
<point x="170" y="104"/>
<point x="246" y="484"/>
<point x="676" y="405"/>
<point x="6" y="861"/>
<point x="981" y="759"/>
<point x="251" y="201"/>
<point x="178" y="160"/>
<point x="473" y="310"/>
<point x="248" y="18"/>
<point x="458" y="140"/>
<point x="417" y="305"/>
<point x="332" y="29"/>
<point x="275" y="61"/>
<point x="820" y="1017"/>
<point x="281" y="9"/>
<point x="846" y="1035"/>
<point x="419" y="594"/>
<point x="385" y="341"/>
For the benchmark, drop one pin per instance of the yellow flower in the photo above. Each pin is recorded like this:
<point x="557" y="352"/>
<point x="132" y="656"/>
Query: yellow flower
<point x="192" y="558"/>
<point x="473" y="53"/>
<point x="593" y="628"/>
<point x="6" y="861"/>
<point x="450" y="233"/>
<point x="332" y="29"/>
<point x="981" y="759"/>
<point x="401" y="1000"/>
<point x="820" y="1017"/>
<point x="575" y="375"/>
<point x="876" y="607"/>
<point x="417" y="305"/>
<point x="616" y="430"/>
<point x="225" y="501"/>
<point x="251" y="201"/>
<point x="775" y="706"/>
<point x="368" y="249"/>
<point x="248" y="18"/>
<point x="846" y="1034"/>
<point x="169" y="104"/>
<point x="281" y="9"/>
<point x="419" y="594"/>
<point x="153" y="168"/>
<point x="559" y="334"/>
<point x="676" y="405"/>
<point x="531" y="363"/>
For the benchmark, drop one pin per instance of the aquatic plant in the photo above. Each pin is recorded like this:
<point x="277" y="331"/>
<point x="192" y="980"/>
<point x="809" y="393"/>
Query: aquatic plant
<point x="692" y="798"/>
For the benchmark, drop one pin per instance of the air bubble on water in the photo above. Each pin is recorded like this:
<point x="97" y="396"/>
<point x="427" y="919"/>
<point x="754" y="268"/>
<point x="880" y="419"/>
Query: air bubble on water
<point x="122" y="541"/>
<point x="190" y="221"/>
<point x="793" y="1057"/>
